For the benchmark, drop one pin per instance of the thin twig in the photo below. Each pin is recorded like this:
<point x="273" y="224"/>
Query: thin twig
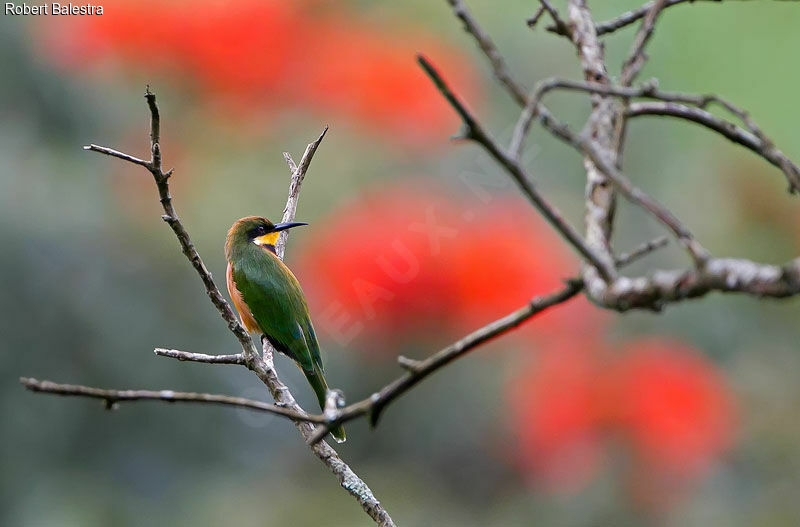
<point x="171" y="218"/>
<point x="111" y="397"/>
<point x="726" y="129"/>
<point x="499" y="67"/>
<point x="638" y="252"/>
<point x="559" y="26"/>
<point x="115" y="153"/>
<point x="625" y="19"/>
<point x="474" y="131"/>
<point x="637" y="57"/>
<point x="633" y="15"/>
<point x="599" y="215"/>
<point x="298" y="175"/>
<point x="237" y="358"/>
<point x="344" y="474"/>
<point x="532" y="21"/>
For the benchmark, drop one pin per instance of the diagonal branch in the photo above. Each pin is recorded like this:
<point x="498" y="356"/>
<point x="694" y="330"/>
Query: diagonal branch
<point x="474" y="131"/>
<point x="417" y="370"/>
<point x="171" y="218"/>
<point x="484" y="42"/>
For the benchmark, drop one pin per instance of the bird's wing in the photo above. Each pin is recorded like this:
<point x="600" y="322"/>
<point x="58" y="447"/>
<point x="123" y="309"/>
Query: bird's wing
<point x="277" y="303"/>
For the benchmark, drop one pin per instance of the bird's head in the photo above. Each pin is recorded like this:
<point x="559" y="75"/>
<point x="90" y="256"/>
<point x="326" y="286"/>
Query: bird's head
<point x="256" y="230"/>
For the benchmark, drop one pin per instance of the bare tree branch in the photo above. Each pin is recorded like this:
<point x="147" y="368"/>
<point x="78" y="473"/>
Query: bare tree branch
<point x="484" y="42"/>
<point x="728" y="130"/>
<point x="633" y="15"/>
<point x="602" y="128"/>
<point x="719" y="274"/>
<point x="345" y="475"/>
<point x="111" y="397"/>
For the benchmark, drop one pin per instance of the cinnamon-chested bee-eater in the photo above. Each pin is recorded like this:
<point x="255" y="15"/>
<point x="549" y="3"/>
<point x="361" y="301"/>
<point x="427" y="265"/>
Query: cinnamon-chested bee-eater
<point x="269" y="299"/>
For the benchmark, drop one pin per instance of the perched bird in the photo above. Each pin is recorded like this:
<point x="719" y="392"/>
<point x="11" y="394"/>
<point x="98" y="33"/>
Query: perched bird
<point x="269" y="299"/>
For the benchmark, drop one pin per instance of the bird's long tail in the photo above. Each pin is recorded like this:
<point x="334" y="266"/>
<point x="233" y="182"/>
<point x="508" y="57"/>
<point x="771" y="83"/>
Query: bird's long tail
<point x="317" y="382"/>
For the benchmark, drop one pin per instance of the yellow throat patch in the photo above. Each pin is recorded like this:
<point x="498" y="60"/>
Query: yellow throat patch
<point x="267" y="239"/>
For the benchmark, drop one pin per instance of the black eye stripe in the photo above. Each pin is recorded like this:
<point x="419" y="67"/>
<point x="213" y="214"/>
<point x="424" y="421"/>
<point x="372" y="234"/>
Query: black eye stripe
<point x="257" y="231"/>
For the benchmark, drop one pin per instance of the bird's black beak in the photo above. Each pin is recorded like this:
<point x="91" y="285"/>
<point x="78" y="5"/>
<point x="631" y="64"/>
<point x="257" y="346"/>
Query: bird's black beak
<point x="288" y="225"/>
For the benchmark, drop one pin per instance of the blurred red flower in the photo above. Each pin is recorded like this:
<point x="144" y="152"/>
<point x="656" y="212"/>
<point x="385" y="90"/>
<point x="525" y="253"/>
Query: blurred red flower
<point x="556" y="405"/>
<point x="371" y="264"/>
<point x="675" y="406"/>
<point x="411" y="261"/>
<point x="662" y="398"/>
<point x="267" y="54"/>
<point x="510" y="257"/>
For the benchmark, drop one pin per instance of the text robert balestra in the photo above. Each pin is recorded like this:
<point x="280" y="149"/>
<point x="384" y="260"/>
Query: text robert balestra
<point x="52" y="9"/>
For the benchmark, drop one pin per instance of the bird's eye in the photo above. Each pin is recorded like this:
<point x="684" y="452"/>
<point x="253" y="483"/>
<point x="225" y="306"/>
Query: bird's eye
<point x="260" y="230"/>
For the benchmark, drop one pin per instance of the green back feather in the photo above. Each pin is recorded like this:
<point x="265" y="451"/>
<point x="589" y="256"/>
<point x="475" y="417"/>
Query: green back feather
<point x="277" y="303"/>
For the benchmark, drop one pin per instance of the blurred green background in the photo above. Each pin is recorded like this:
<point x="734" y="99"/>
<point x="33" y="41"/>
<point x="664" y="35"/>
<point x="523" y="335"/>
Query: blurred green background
<point x="93" y="280"/>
